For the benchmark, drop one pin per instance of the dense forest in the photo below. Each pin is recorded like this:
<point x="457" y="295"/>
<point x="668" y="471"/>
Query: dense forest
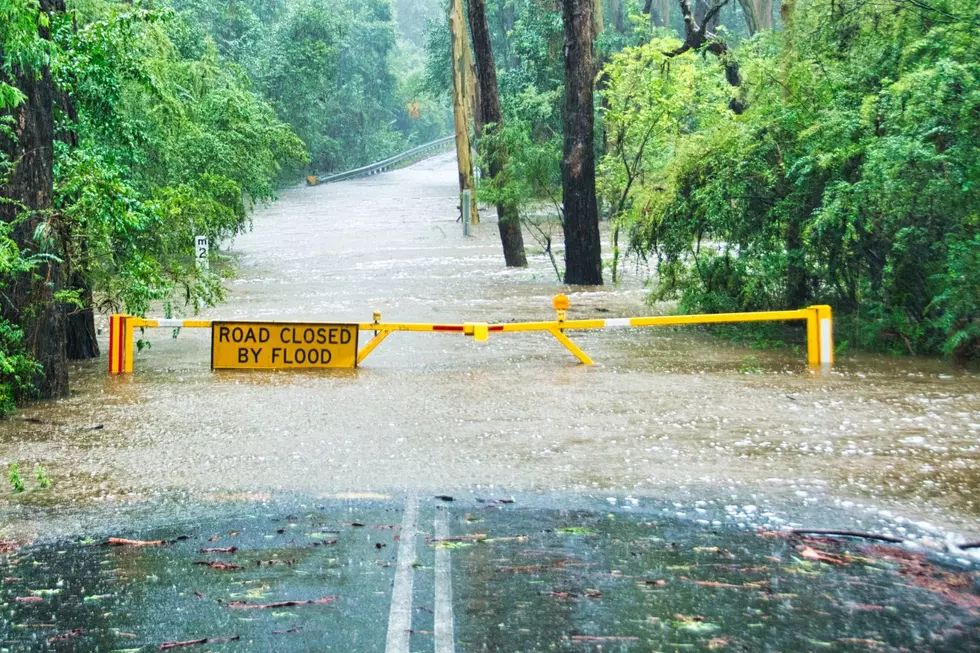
<point x="760" y="156"/>
<point x="129" y="128"/>
<point x="757" y="155"/>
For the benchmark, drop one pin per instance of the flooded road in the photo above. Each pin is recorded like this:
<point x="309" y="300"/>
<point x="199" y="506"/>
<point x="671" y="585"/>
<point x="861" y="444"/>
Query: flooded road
<point x="671" y="413"/>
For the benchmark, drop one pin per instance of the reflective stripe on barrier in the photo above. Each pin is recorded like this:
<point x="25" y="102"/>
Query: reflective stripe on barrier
<point x="819" y="330"/>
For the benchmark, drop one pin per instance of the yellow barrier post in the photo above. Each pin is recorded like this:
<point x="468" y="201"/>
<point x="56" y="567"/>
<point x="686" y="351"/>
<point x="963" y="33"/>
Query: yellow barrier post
<point x="812" y="337"/>
<point x="115" y="345"/>
<point x="825" y="320"/>
<point x="127" y="343"/>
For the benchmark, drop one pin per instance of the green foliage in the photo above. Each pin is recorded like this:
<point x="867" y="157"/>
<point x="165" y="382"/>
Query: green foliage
<point x="326" y="66"/>
<point x="23" y="49"/>
<point x="43" y="481"/>
<point x="167" y="148"/>
<point x="852" y="178"/>
<point x="14" y="478"/>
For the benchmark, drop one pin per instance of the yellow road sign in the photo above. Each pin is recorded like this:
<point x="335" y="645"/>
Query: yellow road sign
<point x="282" y="345"/>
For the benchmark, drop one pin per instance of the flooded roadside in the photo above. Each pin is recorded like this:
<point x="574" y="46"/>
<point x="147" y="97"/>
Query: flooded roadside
<point x="670" y="412"/>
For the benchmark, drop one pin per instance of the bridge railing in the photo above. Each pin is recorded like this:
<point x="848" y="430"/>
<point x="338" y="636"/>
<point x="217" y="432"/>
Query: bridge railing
<point x="399" y="160"/>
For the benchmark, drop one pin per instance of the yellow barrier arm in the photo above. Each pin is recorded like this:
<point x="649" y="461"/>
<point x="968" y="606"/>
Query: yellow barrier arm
<point x="819" y="330"/>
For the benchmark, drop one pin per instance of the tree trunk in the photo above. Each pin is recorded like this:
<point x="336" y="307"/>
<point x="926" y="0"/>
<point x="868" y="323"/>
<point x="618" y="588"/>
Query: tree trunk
<point x="697" y="34"/>
<point x="659" y="11"/>
<point x="758" y="15"/>
<point x="701" y="8"/>
<point x="508" y="220"/>
<point x="583" y="259"/>
<point x="28" y="300"/>
<point x="618" y="15"/>
<point x="797" y="277"/>
<point x="81" y="338"/>
<point x="82" y="342"/>
<point x="462" y="103"/>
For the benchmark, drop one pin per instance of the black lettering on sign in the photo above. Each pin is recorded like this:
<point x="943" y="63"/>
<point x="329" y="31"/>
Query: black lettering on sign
<point x="264" y="335"/>
<point x="242" y="355"/>
<point x="255" y="354"/>
<point x="321" y="336"/>
<point x="237" y="334"/>
<point x="223" y="334"/>
<point x="276" y="353"/>
<point x="345" y="336"/>
<point x="284" y="336"/>
<point x="333" y="336"/>
<point x="325" y="356"/>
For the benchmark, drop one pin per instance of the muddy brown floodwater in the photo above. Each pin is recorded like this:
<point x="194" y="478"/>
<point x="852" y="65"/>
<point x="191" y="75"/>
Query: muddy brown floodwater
<point x="668" y="412"/>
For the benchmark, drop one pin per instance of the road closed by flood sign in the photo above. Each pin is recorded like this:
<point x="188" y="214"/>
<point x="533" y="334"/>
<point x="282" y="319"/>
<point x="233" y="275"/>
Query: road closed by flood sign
<point x="281" y="345"/>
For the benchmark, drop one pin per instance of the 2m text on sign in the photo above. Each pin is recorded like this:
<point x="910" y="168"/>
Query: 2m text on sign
<point x="279" y="345"/>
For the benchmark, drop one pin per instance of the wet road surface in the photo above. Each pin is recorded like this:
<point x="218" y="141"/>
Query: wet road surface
<point x="670" y="413"/>
<point x="489" y="574"/>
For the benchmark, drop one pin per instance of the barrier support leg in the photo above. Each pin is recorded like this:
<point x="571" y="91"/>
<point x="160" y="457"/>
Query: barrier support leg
<point x="813" y="337"/>
<point x="115" y="344"/>
<point x="571" y="346"/>
<point x="825" y="319"/>
<point x="371" y="346"/>
<point x="127" y="344"/>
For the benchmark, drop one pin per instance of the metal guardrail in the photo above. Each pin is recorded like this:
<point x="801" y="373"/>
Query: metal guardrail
<point x="383" y="166"/>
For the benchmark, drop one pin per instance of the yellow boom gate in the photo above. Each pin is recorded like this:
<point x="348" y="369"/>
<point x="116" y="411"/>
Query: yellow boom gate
<point x="818" y="319"/>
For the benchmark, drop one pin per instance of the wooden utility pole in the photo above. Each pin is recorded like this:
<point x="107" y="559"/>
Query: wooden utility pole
<point x="463" y="102"/>
<point x="583" y="247"/>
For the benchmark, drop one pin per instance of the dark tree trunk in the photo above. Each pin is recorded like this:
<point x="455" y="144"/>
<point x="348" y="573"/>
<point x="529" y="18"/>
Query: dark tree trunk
<point x="508" y="220"/>
<point x="701" y="10"/>
<point x="698" y="33"/>
<point x="28" y="299"/>
<point x="659" y="12"/>
<point x="583" y="249"/>
<point x="81" y="340"/>
<point x="797" y="279"/>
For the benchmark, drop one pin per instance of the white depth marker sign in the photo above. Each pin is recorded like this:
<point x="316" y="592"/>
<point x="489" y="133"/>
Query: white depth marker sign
<point x="201" y="252"/>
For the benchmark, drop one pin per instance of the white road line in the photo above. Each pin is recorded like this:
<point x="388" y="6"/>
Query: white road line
<point x="444" y="628"/>
<point x="400" y="616"/>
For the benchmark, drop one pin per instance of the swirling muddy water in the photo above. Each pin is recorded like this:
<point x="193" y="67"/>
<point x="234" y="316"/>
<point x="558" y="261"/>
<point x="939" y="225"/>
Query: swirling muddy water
<point x="665" y="412"/>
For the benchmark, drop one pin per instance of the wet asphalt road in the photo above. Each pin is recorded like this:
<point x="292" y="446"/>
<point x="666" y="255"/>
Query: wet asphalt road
<point x="483" y="574"/>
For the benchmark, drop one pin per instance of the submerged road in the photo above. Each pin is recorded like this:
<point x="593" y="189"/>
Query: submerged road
<point x="672" y="413"/>
<point x="459" y="496"/>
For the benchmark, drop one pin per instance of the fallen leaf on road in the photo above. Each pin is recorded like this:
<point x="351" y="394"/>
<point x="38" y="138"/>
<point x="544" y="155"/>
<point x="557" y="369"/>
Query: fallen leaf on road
<point x="809" y="553"/>
<point x="166" y="646"/>
<point x="64" y="637"/>
<point x="242" y="605"/>
<point x="220" y="566"/>
<point x="118" y="541"/>
<point x="226" y="549"/>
